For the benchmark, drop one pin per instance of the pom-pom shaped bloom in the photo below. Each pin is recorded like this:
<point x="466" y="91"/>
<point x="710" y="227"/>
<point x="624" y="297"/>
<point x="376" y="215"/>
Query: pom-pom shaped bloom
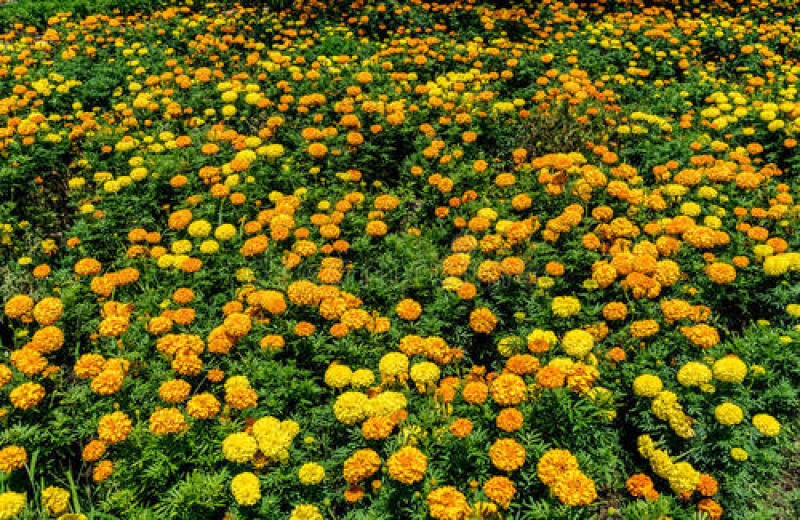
<point x="246" y="489"/>
<point x="239" y="447"/>
<point x="407" y="465"/>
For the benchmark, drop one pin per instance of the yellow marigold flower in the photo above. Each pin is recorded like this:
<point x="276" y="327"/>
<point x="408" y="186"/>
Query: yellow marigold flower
<point x="55" y="500"/>
<point x="239" y="447"/>
<point x="362" y="377"/>
<point x="425" y="373"/>
<point x="729" y="369"/>
<point x="246" y="489"/>
<point x="647" y="385"/>
<point x="311" y="473"/>
<point x="11" y="504"/>
<point x="350" y="407"/>
<point x="305" y="512"/>
<point x="338" y="376"/>
<point x="393" y="364"/>
<point x="694" y="373"/>
<point x="738" y="454"/>
<point x="766" y="425"/>
<point x="565" y="306"/>
<point x="728" y="414"/>
<point x="578" y="343"/>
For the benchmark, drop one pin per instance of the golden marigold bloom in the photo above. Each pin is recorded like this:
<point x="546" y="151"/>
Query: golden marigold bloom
<point x="102" y="471"/>
<point x="94" y="450"/>
<point x="12" y="458"/>
<point x="507" y="454"/>
<point x="407" y="465"/>
<point x="500" y="490"/>
<point x="509" y="420"/>
<point x="710" y="508"/>
<point x="361" y="465"/>
<point x="408" y="309"/>
<point x="48" y="311"/>
<point x="114" y="427"/>
<point x="27" y="395"/>
<point x="702" y="335"/>
<point x="174" y="390"/>
<point x="167" y="420"/>
<point x="87" y="267"/>
<point x="475" y="392"/>
<point x="18" y="306"/>
<point x="55" y="500"/>
<point x="448" y="503"/>
<point x="574" y="489"/>
<point x="203" y="406"/>
<point x="378" y="427"/>
<point x="482" y="320"/>
<point x="708" y="485"/>
<point x="554" y="464"/>
<point x="305" y="512"/>
<point x="639" y="485"/>
<point x="644" y="328"/>
<point x="461" y="427"/>
<point x="508" y="390"/>
<point x="721" y="273"/>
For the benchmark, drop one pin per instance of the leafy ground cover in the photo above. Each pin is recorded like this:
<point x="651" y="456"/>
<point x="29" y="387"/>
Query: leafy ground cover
<point x="400" y="260"/>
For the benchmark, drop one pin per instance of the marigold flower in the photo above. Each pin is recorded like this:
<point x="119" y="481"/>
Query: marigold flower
<point x="12" y="458"/>
<point x="407" y="465"/>
<point x="507" y="454"/>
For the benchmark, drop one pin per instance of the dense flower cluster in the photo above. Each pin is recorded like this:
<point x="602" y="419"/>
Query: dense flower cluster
<point x="399" y="259"/>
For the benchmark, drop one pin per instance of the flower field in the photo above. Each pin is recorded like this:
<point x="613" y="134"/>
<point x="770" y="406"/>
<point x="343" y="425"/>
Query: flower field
<point x="400" y="260"/>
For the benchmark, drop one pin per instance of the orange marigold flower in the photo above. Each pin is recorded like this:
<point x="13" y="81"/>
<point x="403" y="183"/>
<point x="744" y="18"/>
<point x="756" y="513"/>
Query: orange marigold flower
<point x="361" y="465"/>
<point x="482" y="320"/>
<point x="508" y="390"/>
<point x="509" y="420"/>
<point x="461" y="427"/>
<point x="500" y="490"/>
<point x="448" y="503"/>
<point x="407" y="465"/>
<point x="507" y="454"/>
<point x="555" y="463"/>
